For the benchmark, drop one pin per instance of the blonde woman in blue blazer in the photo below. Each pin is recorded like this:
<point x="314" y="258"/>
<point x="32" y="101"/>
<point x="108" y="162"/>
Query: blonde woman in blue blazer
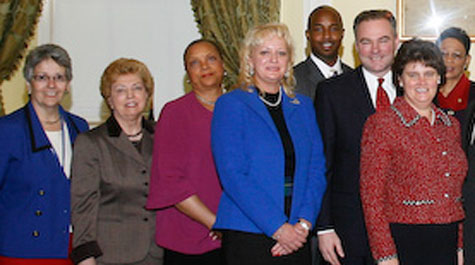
<point x="269" y="157"/>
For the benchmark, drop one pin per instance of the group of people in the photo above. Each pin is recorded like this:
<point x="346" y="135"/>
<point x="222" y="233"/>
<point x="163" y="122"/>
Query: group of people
<point x="393" y="131"/>
<point x="311" y="164"/>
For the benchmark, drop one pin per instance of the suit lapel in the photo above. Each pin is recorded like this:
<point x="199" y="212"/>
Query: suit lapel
<point x="251" y="98"/>
<point x="289" y="105"/>
<point x="120" y="141"/>
<point x="147" y="147"/>
<point x="39" y="140"/>
<point x="313" y="72"/>
<point x="125" y="148"/>
<point x="362" y="97"/>
<point x="345" y="68"/>
<point x="470" y="122"/>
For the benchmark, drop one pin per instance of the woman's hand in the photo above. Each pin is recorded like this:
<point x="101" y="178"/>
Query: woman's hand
<point x="88" y="261"/>
<point x="277" y="250"/>
<point x="215" y="235"/>
<point x="288" y="238"/>
<point x="303" y="227"/>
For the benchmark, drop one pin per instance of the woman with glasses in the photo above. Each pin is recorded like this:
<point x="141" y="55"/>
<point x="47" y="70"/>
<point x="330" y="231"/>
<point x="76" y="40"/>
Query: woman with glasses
<point x="35" y="156"/>
<point x="458" y="91"/>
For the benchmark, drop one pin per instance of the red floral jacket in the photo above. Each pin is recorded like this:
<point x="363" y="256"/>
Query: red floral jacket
<point x="411" y="172"/>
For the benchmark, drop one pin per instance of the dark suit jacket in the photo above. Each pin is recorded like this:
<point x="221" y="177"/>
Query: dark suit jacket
<point x="469" y="187"/>
<point x="343" y="104"/>
<point x="308" y="76"/>
<point x="108" y="194"/>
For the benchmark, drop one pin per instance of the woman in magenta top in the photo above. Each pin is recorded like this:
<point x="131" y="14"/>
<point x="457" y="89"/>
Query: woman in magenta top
<point x="184" y="185"/>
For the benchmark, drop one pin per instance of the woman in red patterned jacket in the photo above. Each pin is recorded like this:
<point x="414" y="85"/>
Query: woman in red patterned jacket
<point x="413" y="167"/>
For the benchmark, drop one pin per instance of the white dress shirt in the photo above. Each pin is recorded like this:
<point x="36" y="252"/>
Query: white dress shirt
<point x="327" y="70"/>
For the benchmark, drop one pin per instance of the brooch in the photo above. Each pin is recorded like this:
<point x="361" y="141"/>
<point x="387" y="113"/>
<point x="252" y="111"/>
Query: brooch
<point x="295" y="101"/>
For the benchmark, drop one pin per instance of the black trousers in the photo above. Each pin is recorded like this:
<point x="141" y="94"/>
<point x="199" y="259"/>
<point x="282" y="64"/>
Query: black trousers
<point x="426" y="244"/>
<point x="242" y="248"/>
<point x="214" y="257"/>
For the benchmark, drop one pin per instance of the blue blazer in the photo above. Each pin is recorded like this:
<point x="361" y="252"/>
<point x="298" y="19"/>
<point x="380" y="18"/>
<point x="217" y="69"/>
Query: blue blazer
<point x="34" y="191"/>
<point x="250" y="161"/>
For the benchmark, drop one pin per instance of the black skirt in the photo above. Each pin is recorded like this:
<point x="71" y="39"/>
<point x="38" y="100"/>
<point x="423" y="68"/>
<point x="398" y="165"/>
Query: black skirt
<point x="255" y="249"/>
<point x="213" y="257"/>
<point x="431" y="244"/>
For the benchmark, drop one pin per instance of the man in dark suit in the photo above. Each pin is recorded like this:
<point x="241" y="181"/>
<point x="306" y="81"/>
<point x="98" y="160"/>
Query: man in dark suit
<point x="343" y="104"/>
<point x="468" y="143"/>
<point x="324" y="33"/>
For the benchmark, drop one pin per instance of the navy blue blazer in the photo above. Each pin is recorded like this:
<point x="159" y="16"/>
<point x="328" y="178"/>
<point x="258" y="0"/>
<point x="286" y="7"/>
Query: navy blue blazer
<point x="250" y="161"/>
<point x="34" y="191"/>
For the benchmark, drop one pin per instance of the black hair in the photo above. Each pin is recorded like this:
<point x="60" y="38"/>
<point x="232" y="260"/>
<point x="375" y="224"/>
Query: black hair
<point x="458" y="34"/>
<point x="187" y="49"/>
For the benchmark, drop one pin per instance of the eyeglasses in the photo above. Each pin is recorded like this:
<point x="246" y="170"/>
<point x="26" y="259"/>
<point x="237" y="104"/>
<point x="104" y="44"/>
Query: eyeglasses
<point x="44" y="78"/>
<point x="456" y="56"/>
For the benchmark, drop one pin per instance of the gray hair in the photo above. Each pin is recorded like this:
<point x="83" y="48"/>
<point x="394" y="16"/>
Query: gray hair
<point x="45" y="52"/>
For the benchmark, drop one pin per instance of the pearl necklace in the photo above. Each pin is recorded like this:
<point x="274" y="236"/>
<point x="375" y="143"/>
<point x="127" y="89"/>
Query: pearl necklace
<point x="279" y="99"/>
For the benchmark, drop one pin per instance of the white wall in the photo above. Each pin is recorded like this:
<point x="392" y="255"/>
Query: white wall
<point x="97" y="32"/>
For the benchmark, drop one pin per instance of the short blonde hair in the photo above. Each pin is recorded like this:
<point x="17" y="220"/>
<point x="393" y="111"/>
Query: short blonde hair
<point x="125" y="66"/>
<point x="255" y="37"/>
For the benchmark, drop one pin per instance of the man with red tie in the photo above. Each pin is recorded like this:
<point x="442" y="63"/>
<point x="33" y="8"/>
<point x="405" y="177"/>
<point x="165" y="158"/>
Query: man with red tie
<point x="343" y="104"/>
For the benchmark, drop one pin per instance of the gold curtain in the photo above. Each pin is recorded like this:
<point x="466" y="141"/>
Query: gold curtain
<point x="227" y="21"/>
<point x="18" y="19"/>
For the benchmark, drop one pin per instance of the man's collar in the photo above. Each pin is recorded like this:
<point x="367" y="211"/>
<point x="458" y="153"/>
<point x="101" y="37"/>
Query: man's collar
<point x="326" y="69"/>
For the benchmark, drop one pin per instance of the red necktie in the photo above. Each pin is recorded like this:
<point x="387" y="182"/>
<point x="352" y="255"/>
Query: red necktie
<point x="382" y="99"/>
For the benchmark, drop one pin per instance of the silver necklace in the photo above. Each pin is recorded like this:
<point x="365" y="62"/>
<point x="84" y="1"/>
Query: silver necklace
<point x="205" y="100"/>
<point x="279" y="99"/>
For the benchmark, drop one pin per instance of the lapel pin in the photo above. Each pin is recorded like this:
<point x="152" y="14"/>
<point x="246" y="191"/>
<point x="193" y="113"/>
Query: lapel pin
<point x="295" y="101"/>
